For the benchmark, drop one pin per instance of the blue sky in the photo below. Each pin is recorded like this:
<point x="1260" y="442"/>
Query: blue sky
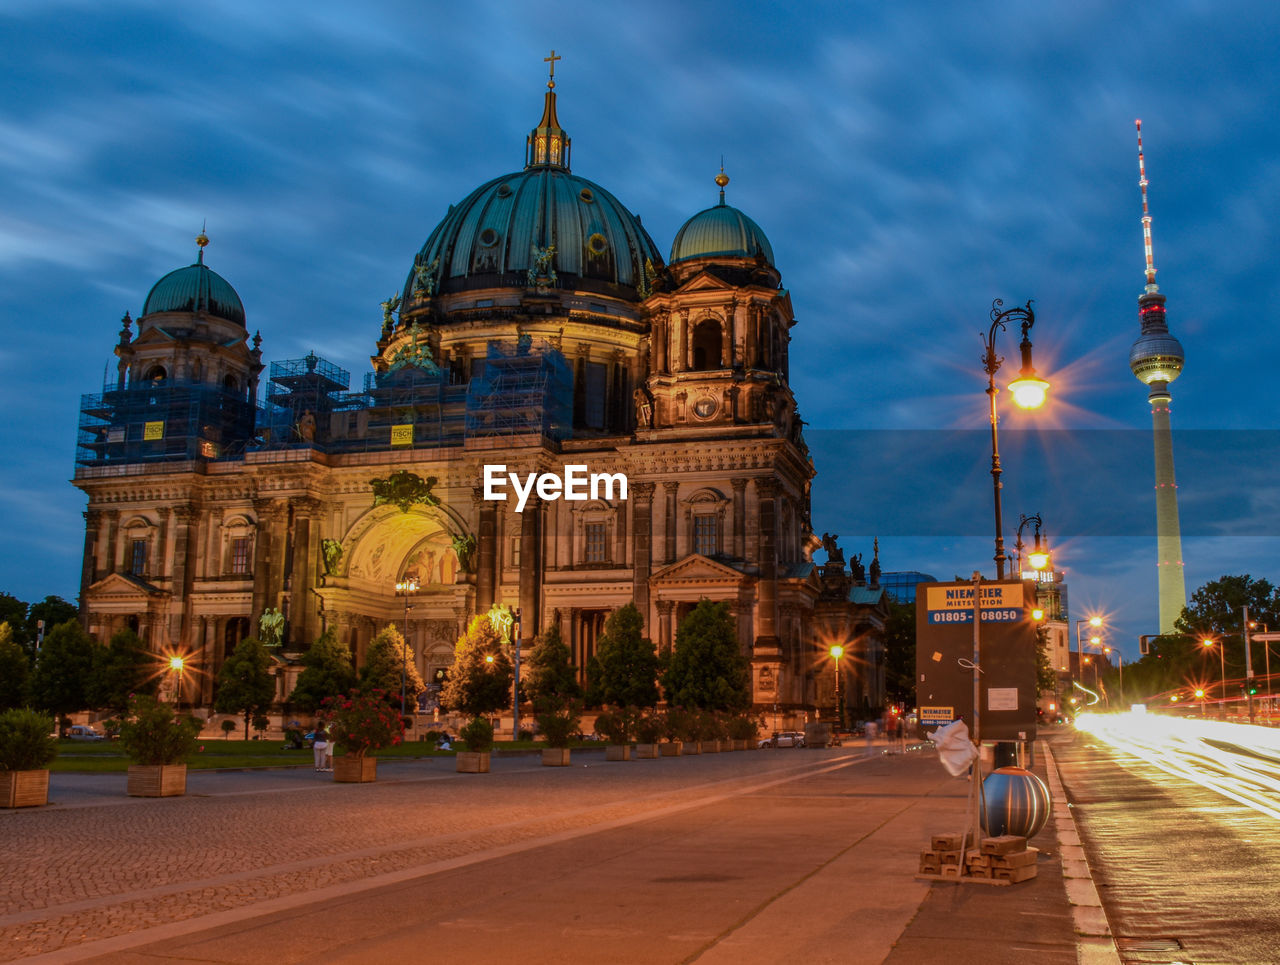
<point x="909" y="162"/>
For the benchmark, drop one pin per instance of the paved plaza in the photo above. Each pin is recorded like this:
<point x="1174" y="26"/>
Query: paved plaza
<point x="769" y="856"/>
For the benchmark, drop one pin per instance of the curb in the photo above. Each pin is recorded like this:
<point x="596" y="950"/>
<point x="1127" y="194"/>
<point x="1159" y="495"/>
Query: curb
<point x="1095" y="945"/>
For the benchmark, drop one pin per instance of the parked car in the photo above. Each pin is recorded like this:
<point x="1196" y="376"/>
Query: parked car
<point x="83" y="732"/>
<point x="786" y="738"/>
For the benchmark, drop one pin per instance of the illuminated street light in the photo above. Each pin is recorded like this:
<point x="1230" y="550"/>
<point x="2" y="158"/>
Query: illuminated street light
<point x="406" y="589"/>
<point x="837" y="652"/>
<point x="1208" y="644"/>
<point x="1028" y="393"/>
<point x="177" y="664"/>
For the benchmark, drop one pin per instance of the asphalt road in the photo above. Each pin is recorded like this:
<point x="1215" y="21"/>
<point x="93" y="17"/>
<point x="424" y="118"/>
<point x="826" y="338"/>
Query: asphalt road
<point x="1183" y="836"/>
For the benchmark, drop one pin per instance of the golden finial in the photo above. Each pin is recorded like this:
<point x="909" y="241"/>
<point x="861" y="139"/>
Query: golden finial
<point x="551" y="81"/>
<point x="722" y="179"/>
<point x="202" y="239"/>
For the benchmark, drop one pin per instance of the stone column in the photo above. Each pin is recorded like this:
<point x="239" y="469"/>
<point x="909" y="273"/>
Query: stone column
<point x="669" y="533"/>
<point x="486" y="552"/>
<point x="89" y="563"/>
<point x="665" y="636"/>
<point x="302" y="577"/>
<point x="114" y="551"/>
<point x="739" y="518"/>
<point x="767" y="626"/>
<point x="181" y="572"/>
<point x="530" y="557"/>
<point x="269" y="551"/>
<point x="642" y="552"/>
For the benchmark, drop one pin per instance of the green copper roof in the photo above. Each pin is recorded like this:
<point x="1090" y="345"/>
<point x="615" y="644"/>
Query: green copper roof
<point x="489" y="237"/>
<point x="720" y="231"/>
<point x="195" y="288"/>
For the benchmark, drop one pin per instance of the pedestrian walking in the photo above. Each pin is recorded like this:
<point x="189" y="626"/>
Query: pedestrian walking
<point x="328" y="754"/>
<point x="869" y="732"/>
<point x="320" y="748"/>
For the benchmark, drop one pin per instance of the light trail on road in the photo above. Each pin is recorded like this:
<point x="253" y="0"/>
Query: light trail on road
<point x="1238" y="761"/>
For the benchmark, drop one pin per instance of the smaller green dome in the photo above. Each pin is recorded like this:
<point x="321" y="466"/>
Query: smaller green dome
<point x="196" y="288"/>
<point x="720" y="231"/>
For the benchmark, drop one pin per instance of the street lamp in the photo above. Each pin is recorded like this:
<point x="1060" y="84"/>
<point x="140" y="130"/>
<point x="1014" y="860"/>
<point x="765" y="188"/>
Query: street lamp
<point x="1039" y="556"/>
<point x="837" y="652"/>
<point x="1093" y="621"/>
<point x="406" y="589"/>
<point x="1028" y="393"/>
<point x="177" y="664"/>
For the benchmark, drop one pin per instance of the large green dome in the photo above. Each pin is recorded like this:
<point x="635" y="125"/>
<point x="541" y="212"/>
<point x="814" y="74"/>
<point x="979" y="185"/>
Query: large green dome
<point x="488" y="239"/>
<point x="196" y="288"/>
<point x="720" y="231"/>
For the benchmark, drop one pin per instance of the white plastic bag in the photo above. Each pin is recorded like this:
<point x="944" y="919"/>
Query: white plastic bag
<point x="955" y="750"/>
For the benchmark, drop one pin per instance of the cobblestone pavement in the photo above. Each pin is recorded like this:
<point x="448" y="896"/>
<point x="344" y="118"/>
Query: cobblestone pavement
<point x="101" y="867"/>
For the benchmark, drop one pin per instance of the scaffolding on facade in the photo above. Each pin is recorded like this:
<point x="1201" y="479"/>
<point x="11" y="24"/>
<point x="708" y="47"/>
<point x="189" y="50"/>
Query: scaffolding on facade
<point x="163" y="420"/>
<point x="521" y="391"/>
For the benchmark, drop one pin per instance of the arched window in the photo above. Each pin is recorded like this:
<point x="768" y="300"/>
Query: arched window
<point x="229" y="383"/>
<point x="706" y="345"/>
<point x="156" y="373"/>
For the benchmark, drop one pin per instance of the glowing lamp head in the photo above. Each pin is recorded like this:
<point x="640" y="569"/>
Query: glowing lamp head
<point x="1037" y="614"/>
<point x="1029" y="390"/>
<point x="1199" y="694"/>
<point x="1095" y="621"/>
<point x="176" y="664"/>
<point x="837" y="651"/>
<point x="1095" y="640"/>
<point x="1206" y="643"/>
<point x="1039" y="560"/>
<point x="488" y="658"/>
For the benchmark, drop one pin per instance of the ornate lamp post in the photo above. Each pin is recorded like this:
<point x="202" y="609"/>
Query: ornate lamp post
<point x="177" y="664"/>
<point x="1208" y="644"/>
<point x="406" y="589"/>
<point x="1028" y="390"/>
<point x="837" y="652"/>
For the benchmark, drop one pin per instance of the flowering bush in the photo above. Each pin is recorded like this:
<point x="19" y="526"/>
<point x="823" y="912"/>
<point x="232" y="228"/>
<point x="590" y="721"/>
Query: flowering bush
<point x="362" y="722"/>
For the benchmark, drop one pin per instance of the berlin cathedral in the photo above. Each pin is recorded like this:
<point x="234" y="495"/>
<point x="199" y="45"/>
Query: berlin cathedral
<point x="540" y="330"/>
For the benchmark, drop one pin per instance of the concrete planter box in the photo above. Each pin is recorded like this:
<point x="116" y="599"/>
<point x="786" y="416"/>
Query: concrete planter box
<point x="157" y="780"/>
<point x="692" y="747"/>
<point x="710" y="747"/>
<point x="355" y="770"/>
<point x="24" y="789"/>
<point x="555" y="757"/>
<point x="671" y="748"/>
<point x="473" y="762"/>
<point x="617" y="752"/>
<point x="646" y="752"/>
<point x="739" y="745"/>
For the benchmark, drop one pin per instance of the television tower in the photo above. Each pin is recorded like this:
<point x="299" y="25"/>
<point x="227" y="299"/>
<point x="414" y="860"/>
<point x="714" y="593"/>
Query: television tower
<point x="1156" y="359"/>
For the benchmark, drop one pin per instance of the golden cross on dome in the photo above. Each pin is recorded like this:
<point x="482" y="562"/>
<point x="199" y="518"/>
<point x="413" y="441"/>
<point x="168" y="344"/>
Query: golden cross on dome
<point x="551" y="82"/>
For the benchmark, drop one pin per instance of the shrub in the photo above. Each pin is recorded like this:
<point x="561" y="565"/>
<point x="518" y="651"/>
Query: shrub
<point x="525" y="734"/>
<point x="26" y="741"/>
<point x="649" y="728"/>
<point x="228" y="726"/>
<point x="261" y="723"/>
<point x="153" y="734"/>
<point x="615" y="725"/>
<point x="478" y="735"/>
<point x="743" y="727"/>
<point x="677" y="724"/>
<point x="363" y="722"/>
<point x="558" y="722"/>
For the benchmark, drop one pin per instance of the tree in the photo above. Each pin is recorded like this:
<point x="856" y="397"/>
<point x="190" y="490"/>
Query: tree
<point x="480" y="678"/>
<point x="707" y="668"/>
<point x="550" y="677"/>
<point x="123" y="667"/>
<point x="328" y="671"/>
<point x="14" y="612"/>
<point x="14" y="671"/>
<point x="53" y="610"/>
<point x="246" y="685"/>
<point x="900" y="653"/>
<point x="63" y="669"/>
<point x="388" y="661"/>
<point x="624" y="671"/>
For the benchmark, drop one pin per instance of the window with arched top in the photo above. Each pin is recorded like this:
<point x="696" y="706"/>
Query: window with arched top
<point x="230" y="383"/>
<point x="156" y="373"/>
<point x="706" y="345"/>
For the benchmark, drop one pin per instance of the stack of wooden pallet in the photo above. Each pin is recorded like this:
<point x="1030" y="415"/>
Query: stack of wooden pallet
<point x="1004" y="858"/>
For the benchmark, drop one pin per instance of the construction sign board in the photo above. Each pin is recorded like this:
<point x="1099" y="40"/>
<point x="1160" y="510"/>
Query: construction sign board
<point x="1007" y="656"/>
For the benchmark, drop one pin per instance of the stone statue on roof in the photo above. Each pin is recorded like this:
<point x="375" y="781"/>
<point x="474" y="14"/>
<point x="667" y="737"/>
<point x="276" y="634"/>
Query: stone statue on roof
<point x="857" y="569"/>
<point x="834" y="553"/>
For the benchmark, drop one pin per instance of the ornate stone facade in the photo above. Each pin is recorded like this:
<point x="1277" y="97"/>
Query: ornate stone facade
<point x="509" y="349"/>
